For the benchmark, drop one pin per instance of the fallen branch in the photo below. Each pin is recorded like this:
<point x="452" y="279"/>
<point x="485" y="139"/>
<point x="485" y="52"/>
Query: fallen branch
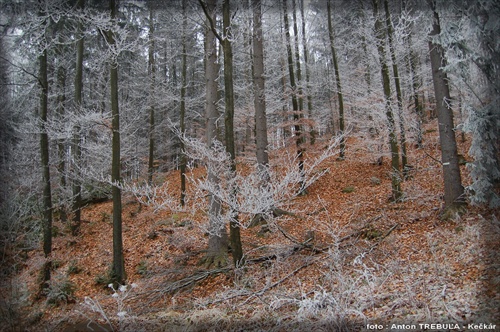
<point x="259" y="218"/>
<point x="202" y="275"/>
<point x="184" y="282"/>
<point x="265" y="289"/>
<point x="384" y="236"/>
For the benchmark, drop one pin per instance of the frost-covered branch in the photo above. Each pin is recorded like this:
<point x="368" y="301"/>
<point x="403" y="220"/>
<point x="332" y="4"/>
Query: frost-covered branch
<point x="253" y="196"/>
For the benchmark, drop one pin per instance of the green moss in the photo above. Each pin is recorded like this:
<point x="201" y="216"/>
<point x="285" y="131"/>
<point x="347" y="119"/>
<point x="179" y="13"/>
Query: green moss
<point x="142" y="268"/>
<point x="73" y="268"/>
<point x="371" y="233"/>
<point x="349" y="189"/>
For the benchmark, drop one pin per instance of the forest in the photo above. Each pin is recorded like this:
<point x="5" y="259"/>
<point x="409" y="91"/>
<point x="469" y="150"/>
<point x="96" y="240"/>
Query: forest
<point x="249" y="165"/>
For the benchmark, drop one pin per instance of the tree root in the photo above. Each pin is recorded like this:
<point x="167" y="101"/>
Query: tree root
<point x="214" y="260"/>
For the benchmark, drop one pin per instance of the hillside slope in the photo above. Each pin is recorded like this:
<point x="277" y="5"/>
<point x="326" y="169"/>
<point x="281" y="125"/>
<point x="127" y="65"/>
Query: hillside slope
<point x="347" y="256"/>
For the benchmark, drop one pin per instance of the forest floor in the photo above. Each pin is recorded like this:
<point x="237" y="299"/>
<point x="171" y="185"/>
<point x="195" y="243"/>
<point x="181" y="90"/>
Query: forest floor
<point x="347" y="258"/>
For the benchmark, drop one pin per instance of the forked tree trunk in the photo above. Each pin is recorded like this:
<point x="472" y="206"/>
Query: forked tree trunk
<point x="218" y="239"/>
<point x="225" y="39"/>
<point x="453" y="189"/>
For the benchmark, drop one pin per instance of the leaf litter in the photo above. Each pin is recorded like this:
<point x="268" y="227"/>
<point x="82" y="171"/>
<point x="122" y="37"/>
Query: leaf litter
<point x="363" y="258"/>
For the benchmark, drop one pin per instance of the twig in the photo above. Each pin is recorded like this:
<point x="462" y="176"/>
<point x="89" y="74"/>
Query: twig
<point x="183" y="283"/>
<point x="265" y="289"/>
<point x="383" y="237"/>
<point x="428" y="155"/>
<point x="202" y="275"/>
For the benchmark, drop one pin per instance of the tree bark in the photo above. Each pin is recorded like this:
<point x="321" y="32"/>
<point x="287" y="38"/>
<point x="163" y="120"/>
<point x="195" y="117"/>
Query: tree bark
<point x="399" y="94"/>
<point x="118" y="268"/>
<point x="218" y="239"/>
<point x="453" y="189"/>
<point x="182" y="157"/>
<point x="61" y="110"/>
<point x="368" y="74"/>
<point x="395" y="172"/>
<point x="297" y="61"/>
<point x="259" y="93"/>
<point x="312" y="131"/>
<point x="152" y="74"/>
<point x="295" y="104"/>
<point x="234" y="228"/>
<point x="77" y="152"/>
<point x="45" y="162"/>
<point x="340" y="96"/>
<point x="413" y="63"/>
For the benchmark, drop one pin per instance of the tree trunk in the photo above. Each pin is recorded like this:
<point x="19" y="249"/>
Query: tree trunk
<point x="152" y="74"/>
<point x="395" y="172"/>
<point x="259" y="93"/>
<point x="118" y="268"/>
<point x="295" y="105"/>
<point x="297" y="62"/>
<point x="182" y="156"/>
<point x="340" y="96"/>
<point x="368" y="73"/>
<point x="415" y="85"/>
<point x="77" y="152"/>
<point x="453" y="189"/>
<point x="284" y="100"/>
<point x="218" y="239"/>
<point x="234" y="228"/>
<point x="61" y="110"/>
<point x="44" y="154"/>
<point x="312" y="131"/>
<point x="399" y="95"/>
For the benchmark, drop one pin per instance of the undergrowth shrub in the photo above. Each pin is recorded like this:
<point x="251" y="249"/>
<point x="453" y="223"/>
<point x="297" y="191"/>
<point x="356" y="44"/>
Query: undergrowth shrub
<point x="60" y="290"/>
<point x="73" y="268"/>
<point x="106" y="318"/>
